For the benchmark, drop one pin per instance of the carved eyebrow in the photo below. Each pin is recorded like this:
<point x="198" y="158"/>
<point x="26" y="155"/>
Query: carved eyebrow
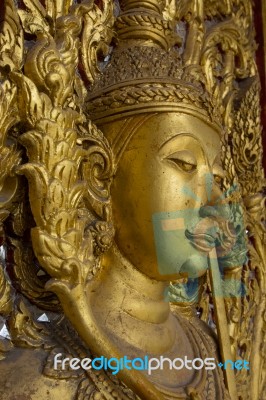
<point x="178" y="137"/>
<point x="173" y="138"/>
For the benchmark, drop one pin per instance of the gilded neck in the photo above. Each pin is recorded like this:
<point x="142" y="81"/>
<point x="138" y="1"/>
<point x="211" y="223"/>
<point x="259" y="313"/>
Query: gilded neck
<point x="130" y="304"/>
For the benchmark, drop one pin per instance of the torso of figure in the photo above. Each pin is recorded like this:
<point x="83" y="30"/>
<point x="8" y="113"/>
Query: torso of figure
<point x="132" y="311"/>
<point x="38" y="379"/>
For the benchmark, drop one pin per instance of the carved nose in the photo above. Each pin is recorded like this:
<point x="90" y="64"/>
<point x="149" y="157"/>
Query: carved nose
<point x="210" y="192"/>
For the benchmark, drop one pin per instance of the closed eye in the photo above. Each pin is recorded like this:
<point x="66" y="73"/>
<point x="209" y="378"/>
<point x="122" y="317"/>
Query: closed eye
<point x="184" y="159"/>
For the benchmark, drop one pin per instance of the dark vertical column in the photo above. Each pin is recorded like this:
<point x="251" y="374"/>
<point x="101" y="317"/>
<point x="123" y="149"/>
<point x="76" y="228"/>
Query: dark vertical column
<point x="260" y="27"/>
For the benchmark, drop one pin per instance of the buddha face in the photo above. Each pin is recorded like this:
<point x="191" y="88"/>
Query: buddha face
<point x="169" y="169"/>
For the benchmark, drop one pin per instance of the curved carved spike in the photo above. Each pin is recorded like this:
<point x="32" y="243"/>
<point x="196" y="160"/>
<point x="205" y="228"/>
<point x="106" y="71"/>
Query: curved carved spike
<point x="11" y="39"/>
<point x="9" y="157"/>
<point x="96" y="35"/>
<point x="5" y="293"/>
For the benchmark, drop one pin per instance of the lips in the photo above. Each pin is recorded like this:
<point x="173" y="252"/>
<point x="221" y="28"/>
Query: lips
<point x="210" y="232"/>
<point x="204" y="234"/>
<point x="202" y="241"/>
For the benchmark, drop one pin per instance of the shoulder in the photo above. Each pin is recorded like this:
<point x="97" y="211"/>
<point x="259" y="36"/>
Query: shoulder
<point x="201" y="331"/>
<point x="21" y="377"/>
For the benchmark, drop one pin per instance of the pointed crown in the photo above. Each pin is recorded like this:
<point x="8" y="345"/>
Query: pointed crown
<point x="145" y="72"/>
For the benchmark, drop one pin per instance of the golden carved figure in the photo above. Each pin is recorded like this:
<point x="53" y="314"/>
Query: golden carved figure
<point x="131" y="191"/>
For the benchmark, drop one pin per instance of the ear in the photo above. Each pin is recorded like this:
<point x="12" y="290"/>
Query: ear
<point x="97" y="170"/>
